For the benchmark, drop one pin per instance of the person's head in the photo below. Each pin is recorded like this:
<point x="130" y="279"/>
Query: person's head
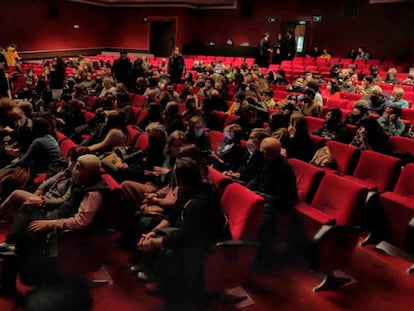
<point x="171" y="110"/>
<point x="361" y="50"/>
<point x="314" y="85"/>
<point x="209" y="83"/>
<point x="368" y="80"/>
<point x="270" y="148"/>
<point x="233" y="133"/>
<point x="27" y="108"/>
<point x="17" y="115"/>
<point x="397" y="93"/>
<point x="267" y="36"/>
<point x="392" y="73"/>
<point x="174" y="142"/>
<point x="157" y="136"/>
<point x="196" y="126"/>
<point x="333" y="86"/>
<point x="187" y="174"/>
<point x="108" y="83"/>
<point x="190" y="103"/>
<point x="255" y="139"/>
<point x="376" y="92"/>
<point x="239" y="97"/>
<point x="123" y="53"/>
<point x="40" y="127"/>
<point x="360" y="107"/>
<point x="298" y="121"/>
<point x="276" y="121"/>
<point x="75" y="106"/>
<point x="176" y="50"/>
<point x="308" y="96"/>
<point x="193" y="152"/>
<point x="392" y="111"/>
<point x="288" y="109"/>
<point x="86" y="170"/>
<point x="249" y="114"/>
<point x="373" y="70"/>
<point x="115" y="120"/>
<point x="333" y="116"/>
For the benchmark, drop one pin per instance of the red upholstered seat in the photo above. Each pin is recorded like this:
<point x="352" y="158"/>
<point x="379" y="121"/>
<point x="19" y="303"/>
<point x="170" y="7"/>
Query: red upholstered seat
<point x="220" y="180"/>
<point x="345" y="156"/>
<point x="350" y="96"/>
<point x="307" y="179"/>
<point x="337" y="103"/>
<point x="402" y="144"/>
<point x="221" y="118"/>
<point x="141" y="116"/>
<point x="60" y="137"/>
<point x="132" y="135"/>
<point x="314" y="123"/>
<point x="142" y="142"/>
<point x="318" y="142"/>
<point x="376" y="171"/>
<point x="230" y="119"/>
<point x="138" y="100"/>
<point x="66" y="147"/>
<point x="216" y="138"/>
<point x="407" y="113"/>
<point x="405" y="185"/>
<point x="88" y="115"/>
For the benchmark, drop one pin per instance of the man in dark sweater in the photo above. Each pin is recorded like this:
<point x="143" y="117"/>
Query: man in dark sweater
<point x="122" y="68"/>
<point x="196" y="223"/>
<point x="275" y="181"/>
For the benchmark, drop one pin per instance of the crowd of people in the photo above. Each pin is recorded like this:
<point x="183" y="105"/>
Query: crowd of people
<point x="166" y="194"/>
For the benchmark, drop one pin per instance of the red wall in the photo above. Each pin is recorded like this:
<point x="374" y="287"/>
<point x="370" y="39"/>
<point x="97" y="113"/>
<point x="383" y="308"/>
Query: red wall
<point x="25" y="23"/>
<point x="384" y="29"/>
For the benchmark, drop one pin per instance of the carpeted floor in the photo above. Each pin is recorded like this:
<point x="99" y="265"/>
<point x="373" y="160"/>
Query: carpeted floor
<point x="381" y="284"/>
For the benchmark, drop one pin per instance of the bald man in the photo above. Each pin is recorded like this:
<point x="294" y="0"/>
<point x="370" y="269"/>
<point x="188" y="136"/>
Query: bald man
<point x="29" y="232"/>
<point x="275" y="181"/>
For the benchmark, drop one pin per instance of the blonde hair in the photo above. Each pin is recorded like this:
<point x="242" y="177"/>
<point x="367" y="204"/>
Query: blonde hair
<point x="399" y="92"/>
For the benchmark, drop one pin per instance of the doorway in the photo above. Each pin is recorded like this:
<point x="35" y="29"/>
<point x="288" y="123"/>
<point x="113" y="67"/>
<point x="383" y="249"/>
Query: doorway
<point x="299" y="30"/>
<point x="162" y="37"/>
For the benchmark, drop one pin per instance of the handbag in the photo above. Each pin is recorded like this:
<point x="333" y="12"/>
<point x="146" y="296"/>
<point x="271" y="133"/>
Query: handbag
<point x="323" y="158"/>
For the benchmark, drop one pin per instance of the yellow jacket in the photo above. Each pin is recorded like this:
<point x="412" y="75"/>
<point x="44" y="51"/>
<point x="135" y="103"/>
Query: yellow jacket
<point x="11" y="56"/>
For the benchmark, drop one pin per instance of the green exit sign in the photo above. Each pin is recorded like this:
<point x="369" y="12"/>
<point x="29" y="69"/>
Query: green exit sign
<point x="302" y="22"/>
<point x="317" y="19"/>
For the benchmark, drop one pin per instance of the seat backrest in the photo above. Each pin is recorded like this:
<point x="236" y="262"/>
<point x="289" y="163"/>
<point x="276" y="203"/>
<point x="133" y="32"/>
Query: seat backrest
<point x="220" y="180"/>
<point x="408" y="114"/>
<point x="308" y="178"/>
<point x="337" y="103"/>
<point x="340" y="198"/>
<point x="138" y="100"/>
<point x="66" y="147"/>
<point x="379" y="169"/>
<point x="216" y="138"/>
<point x="243" y="209"/>
<point x="230" y="119"/>
<point x="314" y="123"/>
<point x="132" y="135"/>
<point x="142" y="115"/>
<point x="221" y="118"/>
<point x="405" y="185"/>
<point x="60" y="137"/>
<point x="350" y="96"/>
<point x="345" y="156"/>
<point x="142" y="142"/>
<point x="88" y="115"/>
<point x="402" y="144"/>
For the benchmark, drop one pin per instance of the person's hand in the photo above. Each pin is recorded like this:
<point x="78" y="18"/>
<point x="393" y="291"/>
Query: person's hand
<point x="8" y="129"/>
<point x="121" y="165"/>
<point x="161" y="170"/>
<point x="233" y="175"/>
<point x="40" y="225"/>
<point x="7" y="138"/>
<point x="150" y="173"/>
<point x="34" y="200"/>
<point x="291" y="130"/>
<point x="60" y="121"/>
<point x="153" y="209"/>
<point x="146" y="236"/>
<point x="38" y="193"/>
<point x="283" y="152"/>
<point x="392" y="118"/>
<point x="145" y="245"/>
<point x="327" y="137"/>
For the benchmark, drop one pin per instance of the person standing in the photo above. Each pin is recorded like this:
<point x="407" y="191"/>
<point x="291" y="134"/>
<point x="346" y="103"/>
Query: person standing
<point x="176" y="66"/>
<point x="289" y="46"/>
<point x="57" y="77"/>
<point x="122" y="68"/>
<point x="277" y="49"/>
<point x="4" y="81"/>
<point x="11" y="55"/>
<point x="265" y="51"/>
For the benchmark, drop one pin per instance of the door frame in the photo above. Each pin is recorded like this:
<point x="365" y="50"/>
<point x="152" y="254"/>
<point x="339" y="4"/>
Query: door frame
<point x="161" y="18"/>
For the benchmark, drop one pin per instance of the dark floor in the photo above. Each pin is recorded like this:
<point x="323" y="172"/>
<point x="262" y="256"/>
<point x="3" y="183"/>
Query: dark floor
<point x="381" y="284"/>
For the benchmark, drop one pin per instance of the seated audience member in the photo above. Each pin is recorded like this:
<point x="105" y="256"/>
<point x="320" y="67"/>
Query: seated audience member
<point x="347" y="85"/>
<point x="376" y="101"/>
<point x="216" y="101"/>
<point x="375" y="74"/>
<point x="174" y="96"/>
<point x="109" y="87"/>
<point x="359" y="112"/>
<point x="396" y="98"/>
<point x="249" y="120"/>
<point x="254" y="99"/>
<point x="238" y="104"/>
<point x="333" y="128"/>
<point x="173" y="121"/>
<point x="152" y="91"/>
<point x="391" y="122"/>
<point x="73" y="119"/>
<point x="333" y="87"/>
<point x="278" y="127"/>
<point x="207" y="88"/>
<point x="299" y="145"/>
<point x="268" y="98"/>
<point x="392" y="76"/>
<point x="154" y="115"/>
<point x="112" y="134"/>
<point x="371" y="136"/>
<point x="198" y="136"/>
<point x="275" y="181"/>
<point x="17" y="139"/>
<point x="280" y="78"/>
<point x="409" y="80"/>
<point x="191" y="109"/>
<point x="230" y="151"/>
<point x="362" y="54"/>
<point x="287" y="111"/>
<point x="335" y="72"/>
<point x="367" y="86"/>
<point x="314" y="85"/>
<point x="32" y="225"/>
<point x="53" y="192"/>
<point x="252" y="160"/>
<point x="310" y="106"/>
<point x="180" y="273"/>
<point x="43" y="153"/>
<point x="139" y="166"/>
